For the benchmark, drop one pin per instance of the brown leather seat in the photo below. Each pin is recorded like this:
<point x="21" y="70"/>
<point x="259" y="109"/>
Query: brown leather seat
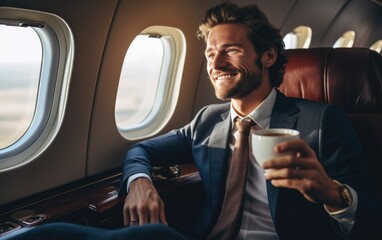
<point x="348" y="77"/>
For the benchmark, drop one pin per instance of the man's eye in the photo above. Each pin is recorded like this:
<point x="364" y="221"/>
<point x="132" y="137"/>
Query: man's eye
<point x="210" y="56"/>
<point x="232" y="51"/>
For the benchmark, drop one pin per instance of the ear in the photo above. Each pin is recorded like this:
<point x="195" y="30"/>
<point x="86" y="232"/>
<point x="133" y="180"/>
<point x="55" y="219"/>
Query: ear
<point x="269" y="57"/>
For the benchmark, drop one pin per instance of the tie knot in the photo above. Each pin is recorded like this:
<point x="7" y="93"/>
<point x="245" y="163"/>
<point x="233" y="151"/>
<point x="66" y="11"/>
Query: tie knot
<point x="244" y="126"/>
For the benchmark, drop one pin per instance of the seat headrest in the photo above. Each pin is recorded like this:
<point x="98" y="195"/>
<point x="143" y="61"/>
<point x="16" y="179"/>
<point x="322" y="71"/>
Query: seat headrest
<point x="348" y="77"/>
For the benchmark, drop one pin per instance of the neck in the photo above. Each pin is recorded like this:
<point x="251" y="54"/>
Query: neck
<point x="245" y="105"/>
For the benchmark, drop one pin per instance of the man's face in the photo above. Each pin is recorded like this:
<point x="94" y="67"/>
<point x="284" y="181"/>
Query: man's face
<point x="232" y="62"/>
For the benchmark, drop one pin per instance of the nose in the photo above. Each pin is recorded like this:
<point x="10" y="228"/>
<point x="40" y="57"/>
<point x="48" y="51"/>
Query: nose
<point x="219" y="61"/>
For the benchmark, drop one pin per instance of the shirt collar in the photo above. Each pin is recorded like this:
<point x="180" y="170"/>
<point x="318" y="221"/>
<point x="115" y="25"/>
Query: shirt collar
<point x="261" y="115"/>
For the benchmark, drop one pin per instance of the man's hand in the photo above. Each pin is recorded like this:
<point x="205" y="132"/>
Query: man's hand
<point x="143" y="204"/>
<point x="301" y="170"/>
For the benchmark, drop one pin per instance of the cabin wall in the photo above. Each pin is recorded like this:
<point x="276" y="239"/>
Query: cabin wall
<point x="88" y="143"/>
<point x="363" y="17"/>
<point x="106" y="146"/>
<point x="64" y="161"/>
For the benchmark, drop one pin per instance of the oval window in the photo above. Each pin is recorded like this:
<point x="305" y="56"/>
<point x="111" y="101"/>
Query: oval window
<point x="20" y="65"/>
<point x="149" y="82"/>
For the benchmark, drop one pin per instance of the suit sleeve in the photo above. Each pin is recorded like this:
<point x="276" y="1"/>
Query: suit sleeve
<point x="343" y="158"/>
<point x="172" y="148"/>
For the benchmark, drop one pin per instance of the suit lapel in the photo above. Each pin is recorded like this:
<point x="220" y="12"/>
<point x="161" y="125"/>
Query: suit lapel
<point x="284" y="115"/>
<point x="218" y="155"/>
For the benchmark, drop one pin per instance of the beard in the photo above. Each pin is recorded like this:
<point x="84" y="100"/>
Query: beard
<point x="246" y="84"/>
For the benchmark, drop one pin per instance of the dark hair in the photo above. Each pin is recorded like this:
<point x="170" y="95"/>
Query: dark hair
<point x="260" y="32"/>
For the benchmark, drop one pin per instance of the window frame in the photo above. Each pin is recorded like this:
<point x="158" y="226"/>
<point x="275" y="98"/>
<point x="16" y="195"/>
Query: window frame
<point x="174" y="46"/>
<point x="301" y="36"/>
<point x="57" y="61"/>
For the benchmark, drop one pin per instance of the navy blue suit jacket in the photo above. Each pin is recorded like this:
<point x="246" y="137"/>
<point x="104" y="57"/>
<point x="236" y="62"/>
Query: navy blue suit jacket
<point x="324" y="127"/>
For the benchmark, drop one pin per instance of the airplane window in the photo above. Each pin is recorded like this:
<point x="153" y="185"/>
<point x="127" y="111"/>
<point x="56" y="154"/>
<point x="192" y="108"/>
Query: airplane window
<point x="377" y="46"/>
<point x="149" y="81"/>
<point x="20" y="64"/>
<point x="36" y="57"/>
<point x="139" y="80"/>
<point x="346" y="40"/>
<point x="300" y="37"/>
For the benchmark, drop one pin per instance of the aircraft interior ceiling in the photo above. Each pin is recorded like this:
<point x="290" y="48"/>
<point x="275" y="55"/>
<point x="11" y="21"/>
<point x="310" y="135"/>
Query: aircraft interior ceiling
<point x="88" y="143"/>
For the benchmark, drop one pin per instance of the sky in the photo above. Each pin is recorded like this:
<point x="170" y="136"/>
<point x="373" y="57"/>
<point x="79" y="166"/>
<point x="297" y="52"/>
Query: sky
<point x="19" y="44"/>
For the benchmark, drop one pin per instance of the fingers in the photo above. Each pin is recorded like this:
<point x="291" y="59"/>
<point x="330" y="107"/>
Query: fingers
<point x="296" y="163"/>
<point x="126" y="216"/>
<point x="163" y="216"/>
<point x="298" y="146"/>
<point x="143" y="215"/>
<point x="301" y="180"/>
<point x="286" y="161"/>
<point x="150" y="212"/>
<point x="284" y="173"/>
<point x="133" y="220"/>
<point x="153" y="211"/>
<point x="290" y="183"/>
<point x="298" y="168"/>
<point x="143" y="205"/>
<point x="130" y="217"/>
<point x="293" y="154"/>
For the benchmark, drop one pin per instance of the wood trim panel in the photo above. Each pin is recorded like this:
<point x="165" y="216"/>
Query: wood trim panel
<point x="96" y="204"/>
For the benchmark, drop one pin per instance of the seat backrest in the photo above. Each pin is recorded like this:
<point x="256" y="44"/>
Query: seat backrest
<point x="348" y="77"/>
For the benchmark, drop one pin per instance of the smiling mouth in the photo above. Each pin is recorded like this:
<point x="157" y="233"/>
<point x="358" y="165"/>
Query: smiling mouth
<point x="225" y="76"/>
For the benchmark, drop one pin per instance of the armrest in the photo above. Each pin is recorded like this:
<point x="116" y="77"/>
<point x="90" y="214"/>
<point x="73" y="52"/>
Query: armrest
<point x="94" y="204"/>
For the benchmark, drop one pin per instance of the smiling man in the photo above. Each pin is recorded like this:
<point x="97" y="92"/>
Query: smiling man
<point x="320" y="190"/>
<point x="231" y="59"/>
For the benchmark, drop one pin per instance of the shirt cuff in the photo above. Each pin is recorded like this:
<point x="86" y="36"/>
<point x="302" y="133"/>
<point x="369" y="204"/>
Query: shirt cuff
<point x="133" y="177"/>
<point x="346" y="217"/>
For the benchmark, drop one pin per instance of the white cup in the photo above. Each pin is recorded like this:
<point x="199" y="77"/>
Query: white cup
<point x="263" y="142"/>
